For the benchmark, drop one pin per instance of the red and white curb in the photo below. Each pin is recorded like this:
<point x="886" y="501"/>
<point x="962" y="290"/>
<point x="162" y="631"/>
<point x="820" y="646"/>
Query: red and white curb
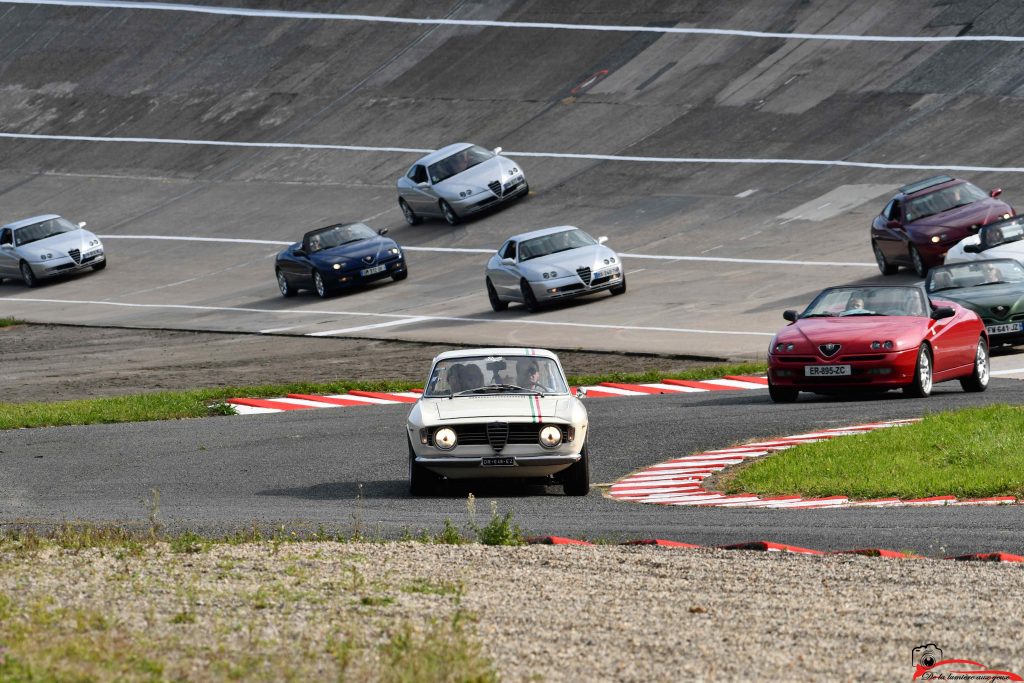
<point x="678" y="481"/>
<point x="249" y="406"/>
<point x="771" y="547"/>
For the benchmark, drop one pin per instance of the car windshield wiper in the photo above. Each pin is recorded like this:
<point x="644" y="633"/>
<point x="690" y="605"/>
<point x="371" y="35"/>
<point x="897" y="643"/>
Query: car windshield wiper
<point x="358" y="239"/>
<point x="819" y="315"/>
<point x="985" y="284"/>
<point x="494" y="388"/>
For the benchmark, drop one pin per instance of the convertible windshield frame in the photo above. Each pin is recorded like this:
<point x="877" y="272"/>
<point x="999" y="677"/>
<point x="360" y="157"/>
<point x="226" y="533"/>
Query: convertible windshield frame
<point x="853" y="302"/>
<point x="492" y="375"/>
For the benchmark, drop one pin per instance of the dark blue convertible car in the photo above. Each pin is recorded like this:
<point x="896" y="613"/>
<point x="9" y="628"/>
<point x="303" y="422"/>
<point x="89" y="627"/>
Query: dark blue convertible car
<point x="339" y="257"/>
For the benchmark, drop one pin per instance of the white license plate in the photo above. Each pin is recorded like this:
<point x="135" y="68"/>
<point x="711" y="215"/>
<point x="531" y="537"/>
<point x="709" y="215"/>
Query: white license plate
<point x="373" y="271"/>
<point x="503" y="461"/>
<point x="826" y="370"/>
<point x="1005" y="329"/>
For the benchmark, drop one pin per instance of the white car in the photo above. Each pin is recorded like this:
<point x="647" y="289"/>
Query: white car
<point x="47" y="246"/>
<point x="498" y="413"/>
<point x="1003" y="239"/>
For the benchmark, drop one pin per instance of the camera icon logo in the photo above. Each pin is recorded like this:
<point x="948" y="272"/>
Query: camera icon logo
<point x="926" y="655"/>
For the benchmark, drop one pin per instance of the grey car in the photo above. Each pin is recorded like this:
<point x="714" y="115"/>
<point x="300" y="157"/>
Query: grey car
<point x="48" y="246"/>
<point x="550" y="264"/>
<point x="458" y="181"/>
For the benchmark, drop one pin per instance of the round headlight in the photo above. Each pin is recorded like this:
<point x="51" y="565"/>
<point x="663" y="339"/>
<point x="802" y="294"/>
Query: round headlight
<point x="935" y="238"/>
<point x="789" y="347"/>
<point x="780" y="347"/>
<point x="395" y="250"/>
<point x="887" y="345"/>
<point x="1006" y="215"/>
<point x="337" y="266"/>
<point x="550" y="436"/>
<point x="444" y="438"/>
<point x="876" y="345"/>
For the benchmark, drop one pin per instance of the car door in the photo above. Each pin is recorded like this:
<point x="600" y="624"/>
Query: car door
<point x="505" y="276"/>
<point x="419" y="194"/>
<point x="889" y="232"/>
<point x="8" y="257"/>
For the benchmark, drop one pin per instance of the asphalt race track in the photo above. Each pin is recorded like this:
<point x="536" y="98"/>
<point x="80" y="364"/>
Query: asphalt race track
<point x="736" y="173"/>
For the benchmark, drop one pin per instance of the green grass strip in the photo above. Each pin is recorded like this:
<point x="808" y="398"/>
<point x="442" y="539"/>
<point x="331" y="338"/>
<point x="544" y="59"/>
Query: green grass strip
<point x="174" y="405"/>
<point x="972" y="453"/>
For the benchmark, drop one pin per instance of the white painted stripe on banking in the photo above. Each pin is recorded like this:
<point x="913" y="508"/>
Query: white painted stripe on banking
<point x="552" y="155"/>
<point x="461" y="250"/>
<point x="439" y="318"/>
<point x="1016" y="371"/>
<point x="485" y="23"/>
<point x="347" y="330"/>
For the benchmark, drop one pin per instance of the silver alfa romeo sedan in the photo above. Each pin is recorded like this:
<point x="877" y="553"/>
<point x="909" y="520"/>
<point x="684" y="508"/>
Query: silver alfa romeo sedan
<point x="47" y="246"/>
<point x="457" y="181"/>
<point x="498" y="413"/>
<point x="550" y="264"/>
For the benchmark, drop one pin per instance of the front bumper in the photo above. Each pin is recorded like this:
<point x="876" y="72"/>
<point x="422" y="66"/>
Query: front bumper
<point x="867" y="371"/>
<point x="573" y="286"/>
<point x="59" y="267"/>
<point x="488" y="199"/>
<point x="354" y="278"/>
<point x="528" y="465"/>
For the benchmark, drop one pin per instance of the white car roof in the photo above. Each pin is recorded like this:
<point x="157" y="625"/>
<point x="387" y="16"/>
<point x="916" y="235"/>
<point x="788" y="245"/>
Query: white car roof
<point x="29" y="221"/>
<point x="444" y="152"/>
<point x="540" y="233"/>
<point x="503" y="351"/>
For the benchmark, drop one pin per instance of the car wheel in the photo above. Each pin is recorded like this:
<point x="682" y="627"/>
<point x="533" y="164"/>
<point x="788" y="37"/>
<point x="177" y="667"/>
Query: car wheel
<point x="422" y="482"/>
<point x="529" y="299"/>
<point x="282" y="284"/>
<point x="449" y="213"/>
<point x="319" y="285"/>
<point x="492" y="294"/>
<point x="921" y="387"/>
<point x="619" y="289"/>
<point x="576" y="478"/>
<point x="978" y="379"/>
<point x="410" y="216"/>
<point x="884" y="266"/>
<point x="782" y="394"/>
<point x="27" y="276"/>
<point x="101" y="265"/>
<point x="915" y="259"/>
<point x="400" y="275"/>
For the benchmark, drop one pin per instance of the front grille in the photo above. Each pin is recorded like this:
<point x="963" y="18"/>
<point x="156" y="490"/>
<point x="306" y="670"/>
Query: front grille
<point x="584" y="274"/>
<point x="495" y="187"/>
<point x="76" y="255"/>
<point x="795" y="359"/>
<point x="600" y="280"/>
<point x="499" y="434"/>
<point x="875" y="356"/>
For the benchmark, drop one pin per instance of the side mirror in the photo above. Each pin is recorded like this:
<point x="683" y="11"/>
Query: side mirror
<point x="497" y="150"/>
<point x="382" y="231"/>
<point x="790" y="316"/>
<point x="422" y="183"/>
<point x="508" y="261"/>
<point x="581" y="392"/>
<point x="996" y="192"/>
<point x="602" y="239"/>
<point x="82" y="224"/>
<point x="943" y="312"/>
<point x="299" y="252"/>
<point x="972" y="248"/>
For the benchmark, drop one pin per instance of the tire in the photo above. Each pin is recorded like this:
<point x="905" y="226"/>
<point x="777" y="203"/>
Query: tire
<point x="401" y="275"/>
<point x="283" y="285"/>
<point x="422" y="482"/>
<point x="782" y="394"/>
<point x="410" y="216"/>
<point x="619" y="289"/>
<point x="100" y="266"/>
<point x="576" y="478"/>
<point x="884" y="266"/>
<point x="917" y="262"/>
<point x="921" y="387"/>
<point x="27" y="276"/>
<point x="529" y="299"/>
<point x="978" y="379"/>
<point x="496" y="303"/>
<point x="449" y="213"/>
<point x="319" y="285"/>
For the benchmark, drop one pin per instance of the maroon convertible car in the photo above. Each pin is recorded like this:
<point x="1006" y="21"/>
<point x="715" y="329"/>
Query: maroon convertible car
<point x="926" y="218"/>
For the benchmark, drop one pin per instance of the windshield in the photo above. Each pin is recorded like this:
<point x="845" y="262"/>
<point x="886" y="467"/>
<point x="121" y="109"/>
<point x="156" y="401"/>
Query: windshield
<point x="974" y="274"/>
<point x="339" y="234"/>
<point x="42" y="230"/>
<point x="554" y="243"/>
<point x="856" y="301"/>
<point x="1002" y="232"/>
<point x="457" y="163"/>
<point x="943" y="200"/>
<point x="475" y="375"/>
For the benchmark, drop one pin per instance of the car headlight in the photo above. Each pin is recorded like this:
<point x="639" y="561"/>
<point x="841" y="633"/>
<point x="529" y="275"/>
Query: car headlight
<point x="550" y="437"/>
<point x="550" y="274"/>
<point x="783" y="346"/>
<point x="395" y="250"/>
<point x="337" y="266"/>
<point x="513" y="171"/>
<point x="43" y="257"/>
<point x="876" y="345"/>
<point x="93" y="243"/>
<point x="445" y="439"/>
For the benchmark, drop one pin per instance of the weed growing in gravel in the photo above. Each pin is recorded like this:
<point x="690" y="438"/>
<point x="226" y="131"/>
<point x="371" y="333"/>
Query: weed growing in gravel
<point x="450" y="535"/>
<point x="500" y="530"/>
<point x="9" y="322"/>
<point x="190" y="542"/>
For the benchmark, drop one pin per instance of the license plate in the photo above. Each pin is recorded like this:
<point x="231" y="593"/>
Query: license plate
<point x="826" y="370"/>
<point x="1005" y="329"/>
<point x="498" y="462"/>
<point x="373" y="271"/>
